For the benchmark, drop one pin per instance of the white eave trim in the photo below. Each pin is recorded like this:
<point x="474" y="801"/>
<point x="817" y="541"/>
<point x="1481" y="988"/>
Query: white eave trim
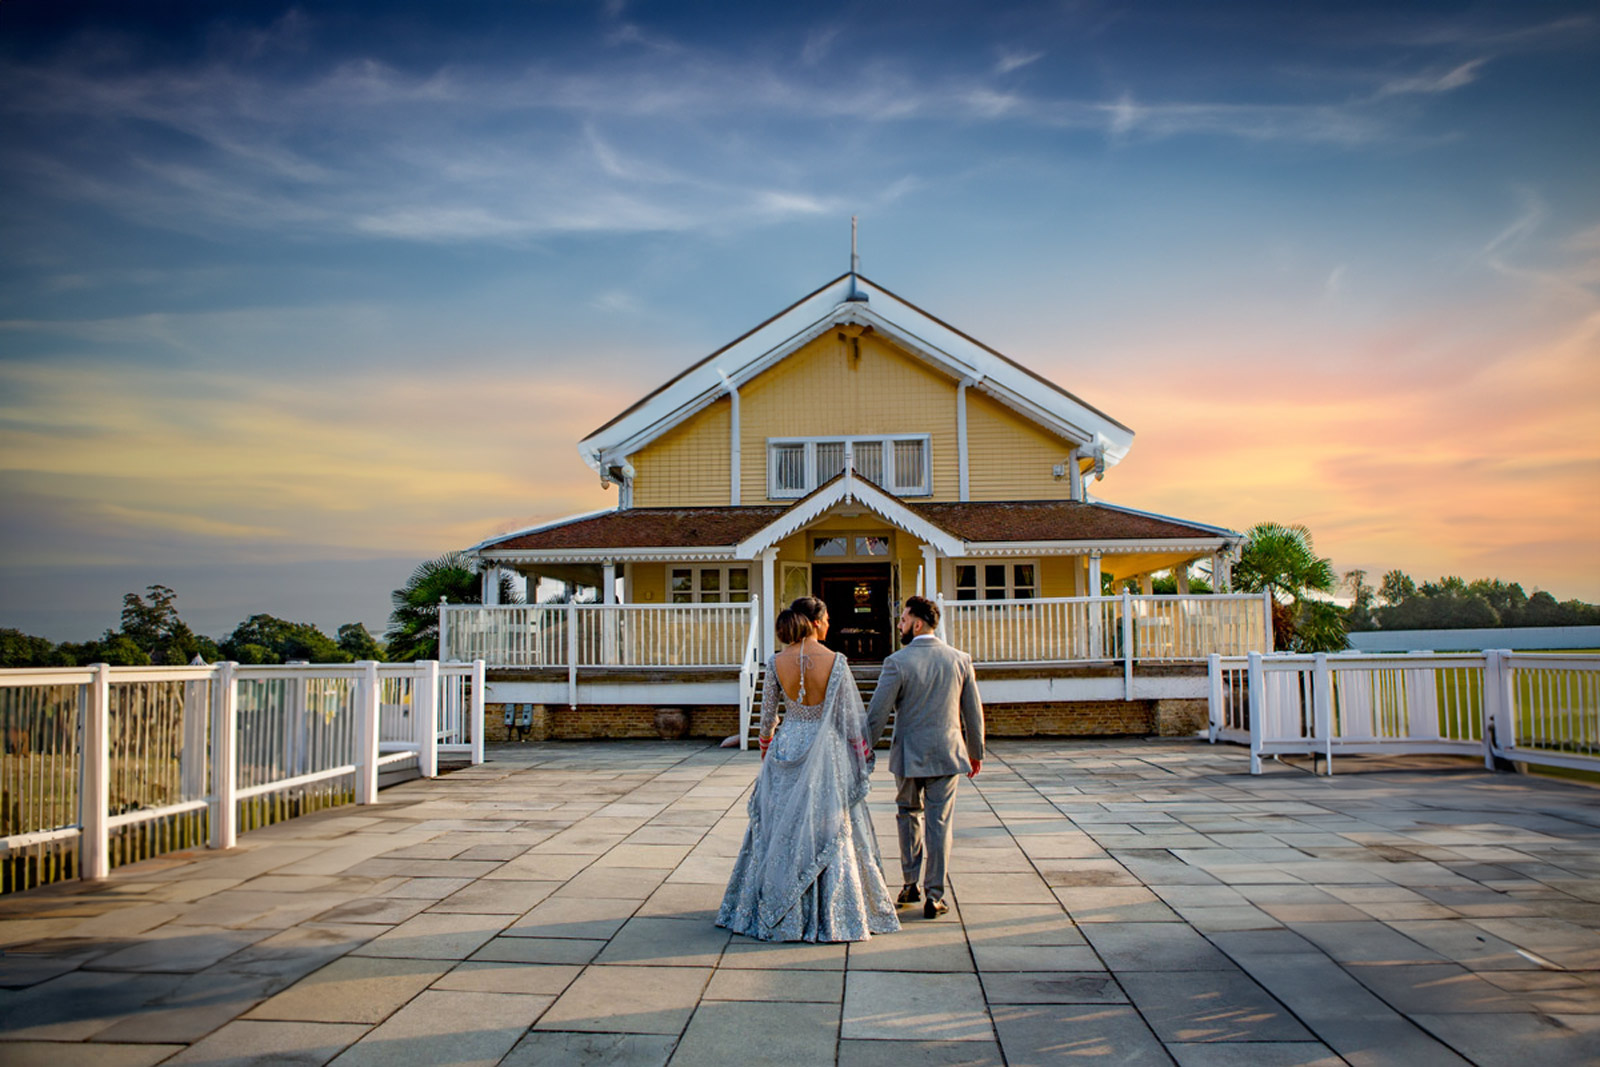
<point x="848" y="489"/>
<point x="657" y="554"/>
<point x="924" y="337"/>
<point x="1084" y="548"/>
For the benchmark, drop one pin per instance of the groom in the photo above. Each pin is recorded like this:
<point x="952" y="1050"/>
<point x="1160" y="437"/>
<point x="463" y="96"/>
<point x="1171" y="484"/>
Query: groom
<point x="938" y="735"/>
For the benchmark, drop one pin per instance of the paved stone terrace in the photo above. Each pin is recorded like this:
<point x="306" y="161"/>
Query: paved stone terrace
<point x="1134" y="902"/>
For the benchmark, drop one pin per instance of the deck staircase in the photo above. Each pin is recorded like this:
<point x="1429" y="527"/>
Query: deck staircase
<point x="866" y="680"/>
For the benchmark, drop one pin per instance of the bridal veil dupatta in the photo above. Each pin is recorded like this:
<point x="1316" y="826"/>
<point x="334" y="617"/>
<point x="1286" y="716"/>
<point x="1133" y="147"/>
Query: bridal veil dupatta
<point x="802" y="803"/>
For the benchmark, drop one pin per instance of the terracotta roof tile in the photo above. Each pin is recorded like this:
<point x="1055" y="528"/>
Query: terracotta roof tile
<point x="1052" y="520"/>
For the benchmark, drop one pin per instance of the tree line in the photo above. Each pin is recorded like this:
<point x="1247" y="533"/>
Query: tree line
<point x="1274" y="557"/>
<point x="152" y="632"/>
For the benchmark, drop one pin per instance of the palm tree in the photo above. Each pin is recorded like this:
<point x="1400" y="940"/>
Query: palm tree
<point x="1283" y="561"/>
<point x="414" y="623"/>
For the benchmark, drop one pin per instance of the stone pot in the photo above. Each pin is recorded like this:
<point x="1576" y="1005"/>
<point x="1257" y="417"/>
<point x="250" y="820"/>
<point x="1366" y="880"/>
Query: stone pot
<point x="672" y="724"/>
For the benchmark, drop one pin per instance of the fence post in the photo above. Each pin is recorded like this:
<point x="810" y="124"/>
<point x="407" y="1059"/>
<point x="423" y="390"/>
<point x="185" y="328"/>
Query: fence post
<point x="425" y="717"/>
<point x="1257" y="706"/>
<point x="367" y="734"/>
<point x="572" y="655"/>
<point x="94" y="790"/>
<point x="1214" y="695"/>
<point x="1322" y="707"/>
<point x="1505" y="708"/>
<point x="1127" y="645"/>
<point x="225" y="759"/>
<point x="1266" y="608"/>
<point x="479" y="712"/>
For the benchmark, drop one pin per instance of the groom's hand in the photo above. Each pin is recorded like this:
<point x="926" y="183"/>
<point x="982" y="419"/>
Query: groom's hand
<point x="976" y="764"/>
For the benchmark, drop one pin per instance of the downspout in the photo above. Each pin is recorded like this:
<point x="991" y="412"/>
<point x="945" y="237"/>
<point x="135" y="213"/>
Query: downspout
<point x="733" y="438"/>
<point x="961" y="433"/>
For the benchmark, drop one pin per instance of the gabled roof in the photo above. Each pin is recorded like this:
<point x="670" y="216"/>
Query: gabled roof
<point x="845" y="488"/>
<point x="853" y="300"/>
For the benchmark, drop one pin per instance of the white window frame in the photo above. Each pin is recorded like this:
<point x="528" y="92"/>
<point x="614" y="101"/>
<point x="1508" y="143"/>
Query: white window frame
<point x="722" y="591"/>
<point x="850" y="554"/>
<point x="887" y="441"/>
<point x="982" y="591"/>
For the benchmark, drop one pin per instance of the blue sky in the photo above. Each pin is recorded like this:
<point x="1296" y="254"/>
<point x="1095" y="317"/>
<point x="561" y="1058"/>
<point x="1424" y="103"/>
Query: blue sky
<point x="293" y="297"/>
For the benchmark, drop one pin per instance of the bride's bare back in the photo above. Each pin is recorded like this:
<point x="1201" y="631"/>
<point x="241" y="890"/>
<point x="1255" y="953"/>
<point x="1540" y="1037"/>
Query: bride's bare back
<point x="818" y="666"/>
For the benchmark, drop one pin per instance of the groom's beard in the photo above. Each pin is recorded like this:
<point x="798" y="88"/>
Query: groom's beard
<point x="907" y="636"/>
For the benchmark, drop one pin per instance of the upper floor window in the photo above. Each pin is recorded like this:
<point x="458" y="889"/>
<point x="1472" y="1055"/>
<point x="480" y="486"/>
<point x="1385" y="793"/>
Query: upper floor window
<point x="897" y="462"/>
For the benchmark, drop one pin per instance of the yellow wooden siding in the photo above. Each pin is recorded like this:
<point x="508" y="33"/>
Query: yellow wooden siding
<point x="1055" y="575"/>
<point x="824" y="389"/>
<point x="689" y="465"/>
<point x="1010" y="457"/>
<point x="649" y="583"/>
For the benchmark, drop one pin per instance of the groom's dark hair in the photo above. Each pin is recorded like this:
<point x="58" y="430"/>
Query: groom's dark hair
<point x="922" y="608"/>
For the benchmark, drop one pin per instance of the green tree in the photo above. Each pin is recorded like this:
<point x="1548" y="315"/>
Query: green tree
<point x="414" y="623"/>
<point x="18" y="649"/>
<point x="1362" y="600"/>
<point x="1282" y="561"/>
<point x="358" y="644"/>
<point x="151" y="622"/>
<point x="1397" y="586"/>
<point x="266" y="639"/>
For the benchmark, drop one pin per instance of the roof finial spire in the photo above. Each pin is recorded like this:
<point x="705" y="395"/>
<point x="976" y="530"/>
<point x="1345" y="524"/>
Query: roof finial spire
<point x="855" y="259"/>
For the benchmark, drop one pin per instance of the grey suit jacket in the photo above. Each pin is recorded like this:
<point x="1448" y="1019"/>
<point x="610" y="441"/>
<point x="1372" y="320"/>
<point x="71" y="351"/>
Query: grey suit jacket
<point x="938" y="726"/>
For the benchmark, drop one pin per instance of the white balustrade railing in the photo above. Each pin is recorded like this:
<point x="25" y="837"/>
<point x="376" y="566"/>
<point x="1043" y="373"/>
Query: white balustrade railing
<point x="597" y="635"/>
<point x="1126" y="627"/>
<point x="1530" y="707"/>
<point x="131" y="762"/>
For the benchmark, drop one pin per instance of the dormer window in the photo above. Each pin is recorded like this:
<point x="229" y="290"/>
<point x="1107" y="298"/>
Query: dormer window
<point x="897" y="462"/>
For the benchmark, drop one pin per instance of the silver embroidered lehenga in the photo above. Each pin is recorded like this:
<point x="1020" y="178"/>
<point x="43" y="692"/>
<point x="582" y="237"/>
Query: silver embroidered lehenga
<point x="808" y="867"/>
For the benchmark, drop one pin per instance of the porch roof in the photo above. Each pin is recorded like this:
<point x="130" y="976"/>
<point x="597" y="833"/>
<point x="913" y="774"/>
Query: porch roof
<point x="974" y="525"/>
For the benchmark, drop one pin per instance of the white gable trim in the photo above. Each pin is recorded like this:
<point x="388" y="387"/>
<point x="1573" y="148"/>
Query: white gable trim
<point x="847" y="488"/>
<point x="905" y="325"/>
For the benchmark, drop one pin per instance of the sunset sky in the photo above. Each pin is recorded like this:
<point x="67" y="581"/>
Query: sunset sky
<point x="292" y="298"/>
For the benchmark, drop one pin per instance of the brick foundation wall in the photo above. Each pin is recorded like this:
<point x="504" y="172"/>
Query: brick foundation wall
<point x="1096" y="718"/>
<point x="557" y="722"/>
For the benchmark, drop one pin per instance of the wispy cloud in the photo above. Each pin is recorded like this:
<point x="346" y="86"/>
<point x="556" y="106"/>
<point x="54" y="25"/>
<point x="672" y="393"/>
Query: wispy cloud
<point x="1435" y="82"/>
<point x="1010" y="61"/>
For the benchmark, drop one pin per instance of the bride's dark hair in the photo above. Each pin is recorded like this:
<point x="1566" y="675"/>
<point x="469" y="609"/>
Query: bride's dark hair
<point x="811" y="608"/>
<point x="793" y="627"/>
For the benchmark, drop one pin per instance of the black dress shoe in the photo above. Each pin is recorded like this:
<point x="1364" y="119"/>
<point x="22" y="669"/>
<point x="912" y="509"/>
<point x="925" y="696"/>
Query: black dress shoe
<point x="934" y="908"/>
<point x="909" y="895"/>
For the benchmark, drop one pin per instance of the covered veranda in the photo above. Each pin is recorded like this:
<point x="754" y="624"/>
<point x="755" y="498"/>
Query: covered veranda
<point x="1125" y="902"/>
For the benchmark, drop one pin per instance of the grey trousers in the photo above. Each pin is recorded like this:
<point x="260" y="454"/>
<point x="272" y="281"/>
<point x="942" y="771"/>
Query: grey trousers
<point x="923" y="855"/>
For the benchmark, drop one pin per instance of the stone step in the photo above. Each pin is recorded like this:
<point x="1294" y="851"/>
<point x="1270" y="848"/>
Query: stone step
<point x="866" y="676"/>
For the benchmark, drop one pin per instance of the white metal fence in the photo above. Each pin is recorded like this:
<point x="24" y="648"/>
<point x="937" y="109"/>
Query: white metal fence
<point x="108" y="765"/>
<point x="1530" y="707"/>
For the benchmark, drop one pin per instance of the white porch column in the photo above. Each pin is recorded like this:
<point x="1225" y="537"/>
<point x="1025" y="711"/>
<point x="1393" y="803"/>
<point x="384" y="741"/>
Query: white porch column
<point x="491" y="586"/>
<point x="1147" y="584"/>
<point x="769" y="602"/>
<point x="608" y="582"/>
<point x="930" y="571"/>
<point x="1180" y="577"/>
<point x="1094" y="573"/>
<point x="609" y="620"/>
<point x="1221" y="572"/>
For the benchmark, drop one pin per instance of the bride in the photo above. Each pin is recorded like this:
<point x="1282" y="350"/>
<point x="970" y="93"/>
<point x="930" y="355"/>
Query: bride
<point x="808" y="868"/>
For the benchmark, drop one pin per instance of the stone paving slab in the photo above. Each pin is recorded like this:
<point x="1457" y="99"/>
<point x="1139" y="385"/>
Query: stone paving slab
<point x="1140" y="902"/>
